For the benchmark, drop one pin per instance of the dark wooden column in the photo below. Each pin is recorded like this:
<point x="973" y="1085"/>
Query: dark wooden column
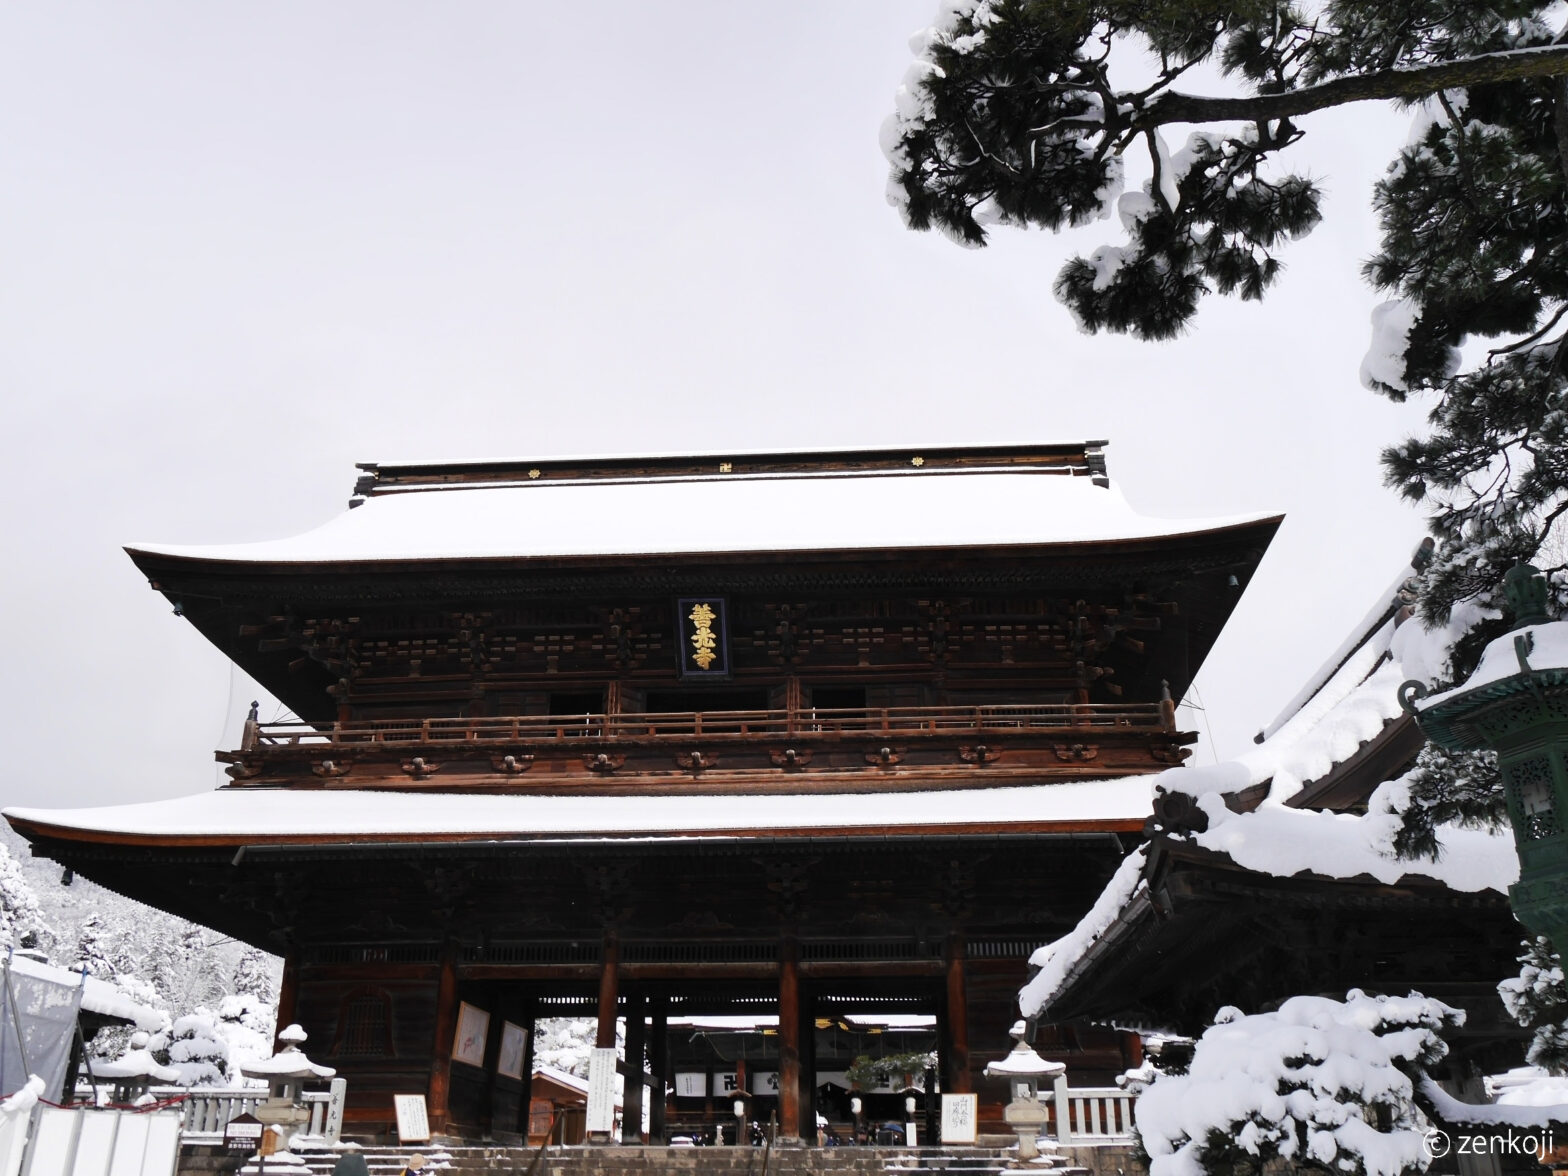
<point x="958" y="1081"/>
<point x="789" y="1040"/>
<point x="528" y="1009"/>
<point x="487" y="1088"/>
<point x="633" y="1093"/>
<point x="659" y="1063"/>
<point x="439" y="1092"/>
<point x="609" y="990"/>
<point x="288" y="995"/>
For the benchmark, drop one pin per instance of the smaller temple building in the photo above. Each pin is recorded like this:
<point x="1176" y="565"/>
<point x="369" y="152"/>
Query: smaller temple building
<point x="820" y="736"/>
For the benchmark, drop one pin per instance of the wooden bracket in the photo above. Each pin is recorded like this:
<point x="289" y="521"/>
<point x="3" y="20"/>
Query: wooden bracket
<point x="1076" y="753"/>
<point x="512" y="765"/>
<point x="243" y="770"/>
<point x="979" y="754"/>
<point x="791" y="759"/>
<point x="420" y="768"/>
<point x="332" y="768"/>
<point x="602" y="761"/>
<point x="695" y="761"/>
<point x="885" y="757"/>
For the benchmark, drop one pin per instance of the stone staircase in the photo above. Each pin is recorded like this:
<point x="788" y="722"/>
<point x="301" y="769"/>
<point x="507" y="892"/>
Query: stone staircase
<point x="454" y="1160"/>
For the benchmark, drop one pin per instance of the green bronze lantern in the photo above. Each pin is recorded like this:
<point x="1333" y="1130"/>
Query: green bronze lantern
<point x="1518" y="707"/>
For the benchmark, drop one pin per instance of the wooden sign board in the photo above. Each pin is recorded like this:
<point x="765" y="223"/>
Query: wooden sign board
<point x="601" y="1090"/>
<point x="271" y="1142"/>
<point x="242" y="1133"/>
<point x="514" y="1043"/>
<point x="960" y="1115"/>
<point x="413" y="1124"/>
<point x="473" y="1024"/>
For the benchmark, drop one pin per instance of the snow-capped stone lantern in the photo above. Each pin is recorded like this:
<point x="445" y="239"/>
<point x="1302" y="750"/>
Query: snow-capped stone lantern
<point x="134" y="1071"/>
<point x="1024" y="1070"/>
<point x="286" y="1073"/>
<point x="1516" y="704"/>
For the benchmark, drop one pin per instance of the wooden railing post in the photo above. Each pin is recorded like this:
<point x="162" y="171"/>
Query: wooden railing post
<point x="1064" y="1126"/>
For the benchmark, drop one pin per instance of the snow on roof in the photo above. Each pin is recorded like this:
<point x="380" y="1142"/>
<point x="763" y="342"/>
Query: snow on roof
<point x="744" y="1022"/>
<point x="97" y="997"/>
<point x="135" y="1063"/>
<point x="252" y="815"/>
<point x="794" y="512"/>
<point x="1275" y="839"/>
<point x="564" y="1077"/>
<point x="1371" y="626"/>
<point x="1545" y="647"/>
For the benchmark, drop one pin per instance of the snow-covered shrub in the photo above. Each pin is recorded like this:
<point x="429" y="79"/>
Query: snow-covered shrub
<point x="1538" y="999"/>
<point x="245" y="1024"/>
<point x="1316" y="1084"/>
<point x="194" y="1048"/>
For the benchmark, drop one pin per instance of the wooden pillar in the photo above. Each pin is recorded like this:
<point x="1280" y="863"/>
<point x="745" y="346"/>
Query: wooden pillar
<point x="487" y="1090"/>
<point x="288" y="995"/>
<point x="789" y="1041"/>
<point x="633" y="1091"/>
<point x="439" y="1091"/>
<point x="529" y="1008"/>
<point x="609" y="990"/>
<point x="659" y="1063"/>
<point x="958" y="1080"/>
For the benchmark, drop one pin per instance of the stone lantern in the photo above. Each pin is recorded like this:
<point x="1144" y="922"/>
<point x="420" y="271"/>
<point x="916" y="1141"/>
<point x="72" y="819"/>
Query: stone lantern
<point x="1516" y="704"/>
<point x="286" y="1073"/>
<point x="1024" y="1070"/>
<point x="134" y="1071"/>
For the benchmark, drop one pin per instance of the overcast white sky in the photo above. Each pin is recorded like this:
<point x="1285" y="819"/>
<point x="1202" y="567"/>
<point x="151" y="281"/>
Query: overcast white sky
<point x="243" y="247"/>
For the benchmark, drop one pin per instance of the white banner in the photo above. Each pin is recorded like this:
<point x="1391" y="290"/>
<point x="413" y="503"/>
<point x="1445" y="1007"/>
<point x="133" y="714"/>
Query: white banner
<point x="693" y="1085"/>
<point x="601" y="1090"/>
<point x="765" y="1082"/>
<point x="726" y="1084"/>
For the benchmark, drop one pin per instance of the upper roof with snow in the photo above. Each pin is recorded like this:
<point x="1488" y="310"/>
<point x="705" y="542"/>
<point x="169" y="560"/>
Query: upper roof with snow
<point x="564" y="508"/>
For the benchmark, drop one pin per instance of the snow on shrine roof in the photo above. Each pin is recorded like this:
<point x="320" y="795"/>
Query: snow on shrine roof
<point x="251" y="816"/>
<point x="660" y="506"/>
<point x="1348" y="709"/>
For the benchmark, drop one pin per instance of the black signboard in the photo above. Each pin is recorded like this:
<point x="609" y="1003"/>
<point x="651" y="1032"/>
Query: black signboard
<point x="242" y="1133"/>
<point x="705" y="640"/>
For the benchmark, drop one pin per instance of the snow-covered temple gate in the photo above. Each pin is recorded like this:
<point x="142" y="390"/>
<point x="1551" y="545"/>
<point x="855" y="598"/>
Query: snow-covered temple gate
<point x="652" y="737"/>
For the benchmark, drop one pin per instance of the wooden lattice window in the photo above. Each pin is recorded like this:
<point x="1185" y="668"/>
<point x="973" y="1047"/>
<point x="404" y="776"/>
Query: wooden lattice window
<point x="365" y="1025"/>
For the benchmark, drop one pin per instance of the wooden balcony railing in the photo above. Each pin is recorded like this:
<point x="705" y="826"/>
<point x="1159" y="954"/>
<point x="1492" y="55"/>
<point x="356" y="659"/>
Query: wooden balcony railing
<point x="1152" y="717"/>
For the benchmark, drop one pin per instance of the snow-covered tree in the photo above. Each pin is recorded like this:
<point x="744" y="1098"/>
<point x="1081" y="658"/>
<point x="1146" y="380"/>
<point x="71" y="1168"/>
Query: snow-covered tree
<point x="246" y="1024"/>
<point x="254" y="976"/>
<point x="1444" y="788"/>
<point x="1320" y="1084"/>
<point x="21" y="919"/>
<point x="1538" y="999"/>
<point x="193" y="1046"/>
<point x="1018" y="113"/>
<point x="565" y="1043"/>
<point x="90" y="953"/>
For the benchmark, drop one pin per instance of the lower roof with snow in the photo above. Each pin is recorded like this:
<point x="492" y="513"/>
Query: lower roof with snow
<point x="251" y="816"/>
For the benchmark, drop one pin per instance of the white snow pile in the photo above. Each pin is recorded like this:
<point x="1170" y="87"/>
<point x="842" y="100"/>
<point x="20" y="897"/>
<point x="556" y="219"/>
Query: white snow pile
<point x="24" y="1100"/>
<point x="1306" y="1083"/>
<point x="1530" y="1086"/>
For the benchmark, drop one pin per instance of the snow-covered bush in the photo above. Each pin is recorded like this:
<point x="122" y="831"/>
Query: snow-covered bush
<point x="194" y="1048"/>
<point x="245" y="1024"/>
<point x="1538" y="999"/>
<point x="1317" y="1084"/>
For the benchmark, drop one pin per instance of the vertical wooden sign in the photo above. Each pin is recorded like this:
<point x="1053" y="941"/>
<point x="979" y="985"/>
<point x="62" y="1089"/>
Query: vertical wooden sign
<point x="705" y="641"/>
<point x="601" y="1090"/>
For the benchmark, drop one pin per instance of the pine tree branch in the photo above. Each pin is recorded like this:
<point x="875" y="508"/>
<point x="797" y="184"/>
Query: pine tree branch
<point x="1484" y="69"/>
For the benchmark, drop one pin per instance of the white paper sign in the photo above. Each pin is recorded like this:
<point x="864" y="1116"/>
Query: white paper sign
<point x="959" y="1115"/>
<point x="728" y="1083"/>
<point x="601" y="1090"/>
<point x="693" y="1085"/>
<point x="413" y="1125"/>
<point x="765" y="1082"/>
<point x="911" y="1136"/>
